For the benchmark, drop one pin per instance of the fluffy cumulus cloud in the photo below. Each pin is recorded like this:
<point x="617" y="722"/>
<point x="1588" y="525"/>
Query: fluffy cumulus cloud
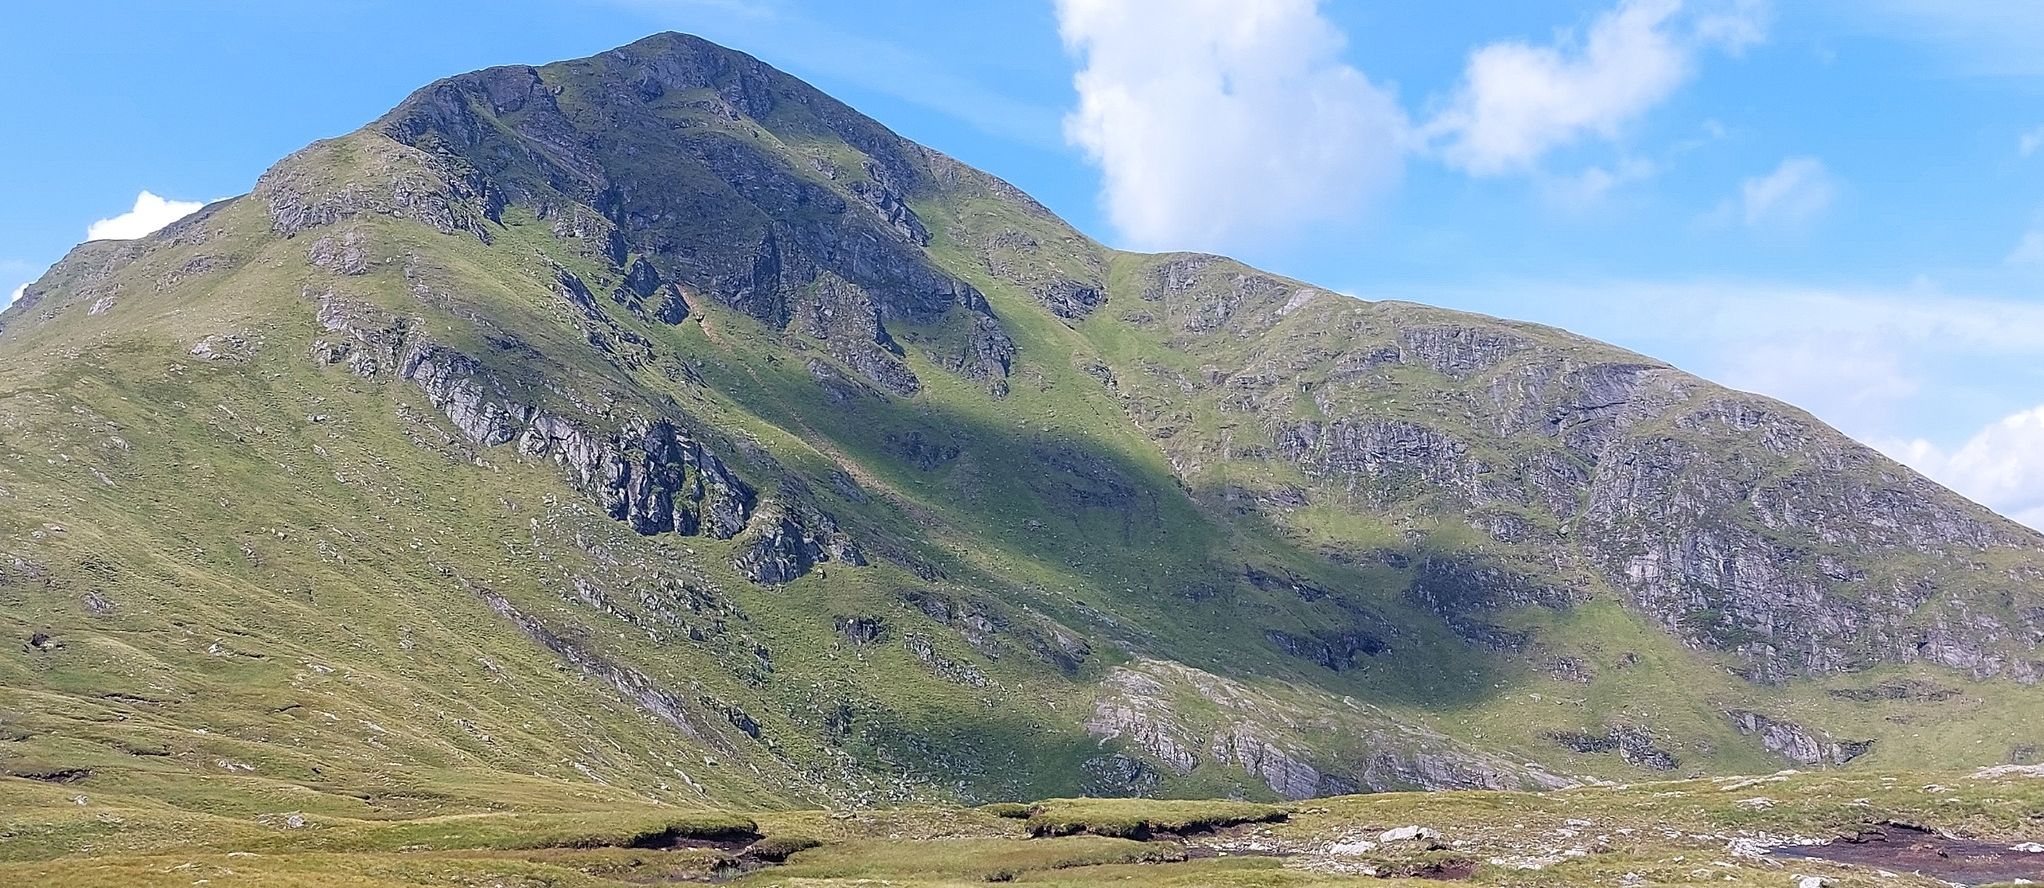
<point x="1518" y="100"/>
<point x="1795" y="194"/>
<point x="149" y="214"/>
<point x="1219" y="121"/>
<point x="14" y="295"/>
<point x="2001" y="466"/>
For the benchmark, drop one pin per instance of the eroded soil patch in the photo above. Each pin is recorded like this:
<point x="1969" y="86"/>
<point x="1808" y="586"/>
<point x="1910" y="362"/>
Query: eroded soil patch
<point x="1908" y="849"/>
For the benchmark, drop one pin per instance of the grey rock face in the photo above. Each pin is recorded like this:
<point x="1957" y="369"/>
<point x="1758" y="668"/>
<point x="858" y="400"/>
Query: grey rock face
<point x="1632" y="743"/>
<point x="650" y="475"/>
<point x="1070" y="299"/>
<point x="845" y="318"/>
<point x="891" y="206"/>
<point x="787" y="543"/>
<point x="341" y="254"/>
<point x="1386" y="452"/>
<point x="988" y="355"/>
<point x="415" y="185"/>
<point x="1336" y="651"/>
<point x="1457" y="351"/>
<point x="461" y="389"/>
<point x="954" y="671"/>
<point x="837" y="253"/>
<point x="366" y="339"/>
<point x="1734" y="523"/>
<point x="860" y="630"/>
<point x="1796" y="743"/>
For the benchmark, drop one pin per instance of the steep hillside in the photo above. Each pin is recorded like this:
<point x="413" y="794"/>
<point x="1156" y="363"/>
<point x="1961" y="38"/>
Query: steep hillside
<point x="652" y="428"/>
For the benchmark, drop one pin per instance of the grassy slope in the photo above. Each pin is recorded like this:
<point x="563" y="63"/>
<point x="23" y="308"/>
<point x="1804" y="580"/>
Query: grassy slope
<point x="261" y="614"/>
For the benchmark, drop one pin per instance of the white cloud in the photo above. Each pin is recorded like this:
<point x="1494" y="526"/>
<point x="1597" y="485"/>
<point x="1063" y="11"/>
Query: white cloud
<point x="1734" y="25"/>
<point x="1217" y="121"/>
<point x="2028" y="143"/>
<point x="14" y="296"/>
<point x="2001" y="466"/>
<point x="1591" y="186"/>
<point x="150" y="213"/>
<point x="1518" y="101"/>
<point x="1795" y="194"/>
<point x="2029" y="250"/>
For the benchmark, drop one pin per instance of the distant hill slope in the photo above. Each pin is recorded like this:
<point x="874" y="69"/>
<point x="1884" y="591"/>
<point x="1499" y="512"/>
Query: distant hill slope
<point x="654" y="427"/>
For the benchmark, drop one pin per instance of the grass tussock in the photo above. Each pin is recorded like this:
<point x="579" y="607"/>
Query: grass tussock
<point x="1144" y="818"/>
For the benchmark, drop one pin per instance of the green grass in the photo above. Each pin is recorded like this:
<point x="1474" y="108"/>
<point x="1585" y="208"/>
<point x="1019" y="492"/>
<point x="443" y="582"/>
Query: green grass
<point x="1680" y="832"/>
<point x="1142" y="818"/>
<point x="265" y="584"/>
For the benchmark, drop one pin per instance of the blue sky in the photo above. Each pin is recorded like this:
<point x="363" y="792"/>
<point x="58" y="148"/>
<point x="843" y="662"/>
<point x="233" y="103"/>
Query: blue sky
<point x="1836" y="202"/>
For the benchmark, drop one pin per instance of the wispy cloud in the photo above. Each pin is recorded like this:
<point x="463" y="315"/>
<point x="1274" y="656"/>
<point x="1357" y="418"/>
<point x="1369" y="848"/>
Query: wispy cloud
<point x="1998" y="38"/>
<point x="1519" y="101"/>
<point x="1882" y="364"/>
<point x="2029" y="249"/>
<point x="1219" y="121"/>
<point x="2028" y="143"/>
<point x="1794" y="194"/>
<point x="1596" y="183"/>
<point x="149" y="214"/>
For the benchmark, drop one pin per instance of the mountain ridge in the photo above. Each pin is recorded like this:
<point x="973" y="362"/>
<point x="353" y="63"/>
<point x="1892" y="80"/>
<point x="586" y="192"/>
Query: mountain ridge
<point x="693" y="416"/>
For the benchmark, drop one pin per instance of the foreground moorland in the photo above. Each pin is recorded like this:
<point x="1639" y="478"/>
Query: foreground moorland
<point x="1874" y="829"/>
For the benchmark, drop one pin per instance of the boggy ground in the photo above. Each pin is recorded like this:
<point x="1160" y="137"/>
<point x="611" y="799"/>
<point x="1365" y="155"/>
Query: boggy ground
<point x="1883" y="829"/>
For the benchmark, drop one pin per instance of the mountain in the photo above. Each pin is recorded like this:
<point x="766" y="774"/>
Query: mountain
<point x="654" y="429"/>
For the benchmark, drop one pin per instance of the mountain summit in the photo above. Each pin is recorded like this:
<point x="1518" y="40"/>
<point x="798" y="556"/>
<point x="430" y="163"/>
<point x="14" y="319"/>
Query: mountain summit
<point x="653" y="427"/>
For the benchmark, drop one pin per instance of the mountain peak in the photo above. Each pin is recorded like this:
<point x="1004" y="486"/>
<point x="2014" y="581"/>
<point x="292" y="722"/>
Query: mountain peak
<point x="656" y="423"/>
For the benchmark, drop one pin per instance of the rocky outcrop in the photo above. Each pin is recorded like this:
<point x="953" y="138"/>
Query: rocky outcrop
<point x="648" y="295"/>
<point x="861" y="630"/>
<point x="302" y="193"/>
<point x="957" y="672"/>
<point x="459" y="387"/>
<point x="365" y="338"/>
<point x="1736" y="524"/>
<point x="988" y="355"/>
<point x="1389" y="459"/>
<point x="1457" y="351"/>
<point x="830" y="250"/>
<point x="787" y="542"/>
<point x="1795" y="742"/>
<point x="341" y="254"/>
<point x="650" y="474"/>
<point x="1241" y="729"/>
<point x="1337" y="650"/>
<point x="1634" y="744"/>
